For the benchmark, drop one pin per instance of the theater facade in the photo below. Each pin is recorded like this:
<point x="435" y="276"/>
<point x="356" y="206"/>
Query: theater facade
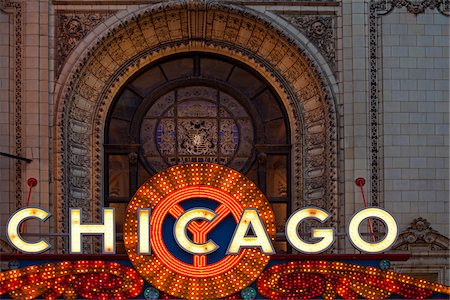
<point x="224" y="149"/>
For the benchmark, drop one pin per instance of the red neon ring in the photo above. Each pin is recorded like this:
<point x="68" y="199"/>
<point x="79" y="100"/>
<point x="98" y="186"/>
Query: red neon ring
<point x="156" y="237"/>
<point x="215" y="177"/>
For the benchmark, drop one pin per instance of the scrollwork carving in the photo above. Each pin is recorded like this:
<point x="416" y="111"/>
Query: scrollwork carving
<point x="79" y="160"/>
<point x="416" y="7"/>
<point x="80" y="182"/>
<point x="420" y="235"/>
<point x="71" y="28"/>
<point x="320" y="30"/>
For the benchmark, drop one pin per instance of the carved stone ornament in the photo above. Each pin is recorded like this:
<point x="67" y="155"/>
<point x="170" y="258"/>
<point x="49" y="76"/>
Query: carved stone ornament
<point x="166" y="28"/>
<point x="421" y="236"/>
<point x="416" y="7"/>
<point x="15" y="8"/>
<point x="71" y="27"/>
<point x="5" y="247"/>
<point x="320" y="30"/>
<point x="378" y="8"/>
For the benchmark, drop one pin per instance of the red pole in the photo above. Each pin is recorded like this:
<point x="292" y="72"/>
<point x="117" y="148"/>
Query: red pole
<point x="32" y="182"/>
<point x="361" y="182"/>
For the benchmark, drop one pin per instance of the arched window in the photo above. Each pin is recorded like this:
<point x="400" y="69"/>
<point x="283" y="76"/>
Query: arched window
<point x="197" y="107"/>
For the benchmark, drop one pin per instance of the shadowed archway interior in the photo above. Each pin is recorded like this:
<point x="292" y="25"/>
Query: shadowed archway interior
<point x="197" y="107"/>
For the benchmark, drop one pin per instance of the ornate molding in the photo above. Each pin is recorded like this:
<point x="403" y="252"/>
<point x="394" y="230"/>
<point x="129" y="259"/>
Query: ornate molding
<point x="379" y="8"/>
<point x="420" y="235"/>
<point x="320" y="30"/>
<point x="416" y="7"/>
<point x="71" y="28"/>
<point x="167" y="28"/>
<point x="18" y="50"/>
<point x="374" y="105"/>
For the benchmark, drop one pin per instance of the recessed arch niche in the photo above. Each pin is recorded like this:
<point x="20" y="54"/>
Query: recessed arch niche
<point x="151" y="33"/>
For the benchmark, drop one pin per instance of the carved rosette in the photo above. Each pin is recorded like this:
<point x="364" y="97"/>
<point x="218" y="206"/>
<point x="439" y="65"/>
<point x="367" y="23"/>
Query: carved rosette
<point x="320" y="30"/>
<point x="181" y="26"/>
<point x="71" y="27"/>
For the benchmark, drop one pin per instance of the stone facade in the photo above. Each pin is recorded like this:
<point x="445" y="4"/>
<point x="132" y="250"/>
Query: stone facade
<point x="365" y="85"/>
<point x="415" y="112"/>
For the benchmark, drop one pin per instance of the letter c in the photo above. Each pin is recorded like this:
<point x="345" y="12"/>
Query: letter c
<point x="13" y="234"/>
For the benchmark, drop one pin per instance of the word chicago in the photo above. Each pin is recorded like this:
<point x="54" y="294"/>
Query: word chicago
<point x="322" y="238"/>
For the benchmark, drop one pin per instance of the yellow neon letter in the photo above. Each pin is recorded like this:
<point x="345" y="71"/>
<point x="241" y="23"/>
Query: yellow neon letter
<point x="107" y="229"/>
<point x="373" y="212"/>
<point x="326" y="234"/>
<point x="13" y="230"/>
<point x="180" y="229"/>
<point x="250" y="218"/>
<point x="144" y="231"/>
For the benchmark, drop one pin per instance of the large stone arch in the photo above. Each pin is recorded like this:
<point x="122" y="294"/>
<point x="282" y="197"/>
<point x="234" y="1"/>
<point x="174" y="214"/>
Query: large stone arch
<point x="163" y="29"/>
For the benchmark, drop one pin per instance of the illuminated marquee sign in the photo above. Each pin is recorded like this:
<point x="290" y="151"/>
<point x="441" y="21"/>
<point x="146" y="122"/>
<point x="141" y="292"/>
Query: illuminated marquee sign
<point x="202" y="227"/>
<point x="200" y="215"/>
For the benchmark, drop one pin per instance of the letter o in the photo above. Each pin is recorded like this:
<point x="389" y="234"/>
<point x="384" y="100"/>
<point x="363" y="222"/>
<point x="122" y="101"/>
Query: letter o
<point x="373" y="212"/>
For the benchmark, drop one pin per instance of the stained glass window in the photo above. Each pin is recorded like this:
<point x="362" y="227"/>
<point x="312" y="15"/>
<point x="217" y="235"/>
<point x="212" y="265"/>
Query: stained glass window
<point x="198" y="107"/>
<point x="197" y="124"/>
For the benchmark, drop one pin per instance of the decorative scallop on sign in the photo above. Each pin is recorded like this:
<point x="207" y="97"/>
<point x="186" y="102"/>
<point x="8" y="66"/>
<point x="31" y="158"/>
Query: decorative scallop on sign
<point x="331" y="280"/>
<point x="72" y="280"/>
<point x="172" y="192"/>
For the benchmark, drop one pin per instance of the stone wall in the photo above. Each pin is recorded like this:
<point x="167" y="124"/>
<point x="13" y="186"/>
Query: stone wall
<point x="416" y="116"/>
<point x="353" y="110"/>
<point x="26" y="106"/>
